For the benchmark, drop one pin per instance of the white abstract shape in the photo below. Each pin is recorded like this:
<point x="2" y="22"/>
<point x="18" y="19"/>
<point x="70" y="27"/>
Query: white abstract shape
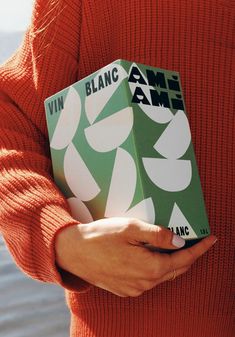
<point x="79" y="210"/>
<point x="123" y="184"/>
<point x="68" y="121"/>
<point x="169" y="175"/>
<point x="95" y="102"/>
<point x="180" y="224"/>
<point x="78" y="176"/>
<point x="144" y="210"/>
<point x="176" y="138"/>
<point x="158" y="114"/>
<point x="109" y="133"/>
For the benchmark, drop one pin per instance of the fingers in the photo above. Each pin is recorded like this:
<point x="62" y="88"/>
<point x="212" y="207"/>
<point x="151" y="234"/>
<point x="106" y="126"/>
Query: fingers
<point x="173" y="274"/>
<point x="188" y="256"/>
<point x="162" y="267"/>
<point x="157" y="236"/>
<point x="180" y="261"/>
<point x="140" y="286"/>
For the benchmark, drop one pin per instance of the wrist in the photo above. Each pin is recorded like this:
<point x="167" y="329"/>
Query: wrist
<point x="64" y="245"/>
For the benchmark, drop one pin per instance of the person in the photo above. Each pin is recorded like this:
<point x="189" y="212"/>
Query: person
<point x="114" y="285"/>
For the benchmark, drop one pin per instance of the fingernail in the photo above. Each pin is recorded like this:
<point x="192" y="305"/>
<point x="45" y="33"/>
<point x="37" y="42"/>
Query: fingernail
<point x="177" y="241"/>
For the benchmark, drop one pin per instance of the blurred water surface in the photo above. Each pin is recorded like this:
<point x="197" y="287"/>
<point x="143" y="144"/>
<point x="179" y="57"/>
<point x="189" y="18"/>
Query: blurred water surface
<point x="27" y="307"/>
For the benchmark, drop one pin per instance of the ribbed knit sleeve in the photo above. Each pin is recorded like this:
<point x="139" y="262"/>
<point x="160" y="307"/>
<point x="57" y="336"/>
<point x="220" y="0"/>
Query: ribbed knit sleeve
<point x="32" y="210"/>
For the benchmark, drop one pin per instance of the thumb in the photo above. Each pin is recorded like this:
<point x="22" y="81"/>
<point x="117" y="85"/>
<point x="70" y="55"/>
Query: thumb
<point x="157" y="236"/>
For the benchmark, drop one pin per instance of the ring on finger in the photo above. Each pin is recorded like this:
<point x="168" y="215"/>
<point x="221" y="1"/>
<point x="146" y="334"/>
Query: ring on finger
<point x="173" y="276"/>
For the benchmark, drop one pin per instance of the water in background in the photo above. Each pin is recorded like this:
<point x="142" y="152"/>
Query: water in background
<point x="9" y="41"/>
<point x="27" y="307"/>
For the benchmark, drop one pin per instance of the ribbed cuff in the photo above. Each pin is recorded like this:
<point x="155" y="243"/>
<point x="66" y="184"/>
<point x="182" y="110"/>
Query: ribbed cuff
<point x="53" y="220"/>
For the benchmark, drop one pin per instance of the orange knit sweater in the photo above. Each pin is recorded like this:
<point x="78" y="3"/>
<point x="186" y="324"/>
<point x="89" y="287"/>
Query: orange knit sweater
<point x="69" y="41"/>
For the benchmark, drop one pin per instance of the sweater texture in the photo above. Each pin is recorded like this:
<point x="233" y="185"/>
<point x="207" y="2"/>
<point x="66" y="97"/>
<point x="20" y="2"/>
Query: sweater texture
<point x="66" y="42"/>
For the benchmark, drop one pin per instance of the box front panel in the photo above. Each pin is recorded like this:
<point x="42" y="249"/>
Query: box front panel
<point x="121" y="146"/>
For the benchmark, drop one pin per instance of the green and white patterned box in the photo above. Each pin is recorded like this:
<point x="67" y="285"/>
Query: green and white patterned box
<point x="121" y="146"/>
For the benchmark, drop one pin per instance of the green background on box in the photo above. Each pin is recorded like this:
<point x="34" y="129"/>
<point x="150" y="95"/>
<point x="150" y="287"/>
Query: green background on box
<point x="139" y="144"/>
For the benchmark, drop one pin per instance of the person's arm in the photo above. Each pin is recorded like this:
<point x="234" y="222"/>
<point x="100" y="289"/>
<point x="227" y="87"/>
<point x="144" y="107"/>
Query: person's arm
<point x="32" y="210"/>
<point x="34" y="217"/>
<point x="111" y="254"/>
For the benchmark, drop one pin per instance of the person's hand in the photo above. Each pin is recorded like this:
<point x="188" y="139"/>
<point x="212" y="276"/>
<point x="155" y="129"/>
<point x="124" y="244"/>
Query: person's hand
<point x="110" y="254"/>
